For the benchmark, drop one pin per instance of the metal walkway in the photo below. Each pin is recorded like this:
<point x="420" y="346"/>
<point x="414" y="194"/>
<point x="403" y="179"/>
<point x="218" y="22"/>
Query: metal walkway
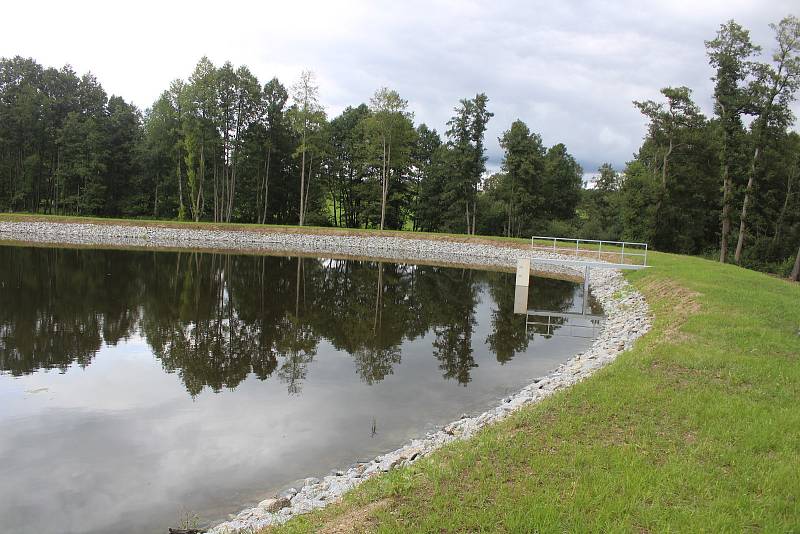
<point x="620" y="254"/>
<point x="586" y="254"/>
<point x="582" y="264"/>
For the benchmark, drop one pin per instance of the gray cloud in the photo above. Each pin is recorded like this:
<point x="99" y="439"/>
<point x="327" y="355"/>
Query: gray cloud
<point x="569" y="70"/>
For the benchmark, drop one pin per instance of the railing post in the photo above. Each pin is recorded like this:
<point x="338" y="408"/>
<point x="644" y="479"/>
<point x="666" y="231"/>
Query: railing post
<point x="577" y="241"/>
<point x="600" y="251"/>
<point x="554" y="245"/>
<point x="645" y="254"/>
<point x="622" y="261"/>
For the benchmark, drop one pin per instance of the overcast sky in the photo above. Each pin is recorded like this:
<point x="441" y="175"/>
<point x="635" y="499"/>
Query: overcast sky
<point x="568" y="69"/>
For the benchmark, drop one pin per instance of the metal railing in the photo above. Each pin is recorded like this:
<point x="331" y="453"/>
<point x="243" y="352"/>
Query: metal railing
<point x="636" y="253"/>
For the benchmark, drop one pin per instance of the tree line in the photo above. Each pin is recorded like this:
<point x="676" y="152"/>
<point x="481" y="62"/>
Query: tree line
<point x="725" y="186"/>
<point x="220" y="146"/>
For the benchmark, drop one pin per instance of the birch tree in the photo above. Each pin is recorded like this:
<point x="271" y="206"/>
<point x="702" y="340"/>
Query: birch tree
<point x="306" y="115"/>
<point x="391" y="123"/>
<point x="200" y="105"/>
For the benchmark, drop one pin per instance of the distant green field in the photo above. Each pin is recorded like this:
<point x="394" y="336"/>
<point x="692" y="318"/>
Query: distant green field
<point x="696" y="429"/>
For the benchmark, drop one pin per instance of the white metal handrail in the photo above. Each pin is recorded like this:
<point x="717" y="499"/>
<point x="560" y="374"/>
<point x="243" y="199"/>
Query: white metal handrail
<point x="559" y="245"/>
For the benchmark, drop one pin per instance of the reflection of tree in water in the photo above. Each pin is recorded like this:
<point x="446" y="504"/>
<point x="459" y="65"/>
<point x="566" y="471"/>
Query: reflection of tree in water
<point x="202" y="337"/>
<point x="509" y="336"/>
<point x="57" y="306"/>
<point x="451" y="296"/>
<point x="217" y="318"/>
<point x="297" y="347"/>
<point x="362" y="308"/>
<point x="297" y="342"/>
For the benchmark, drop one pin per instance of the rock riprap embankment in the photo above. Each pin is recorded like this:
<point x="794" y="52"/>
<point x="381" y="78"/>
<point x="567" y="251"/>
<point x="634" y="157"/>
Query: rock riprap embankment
<point x="383" y="247"/>
<point x="627" y="318"/>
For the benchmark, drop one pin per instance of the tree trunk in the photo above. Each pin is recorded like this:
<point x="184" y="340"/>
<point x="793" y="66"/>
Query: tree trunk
<point x="388" y="178"/>
<point x="474" y="212"/>
<point x="743" y="220"/>
<point x="796" y="271"/>
<point x="466" y="211"/>
<point x="155" y="202"/>
<point x="302" y="177"/>
<point x="664" y="165"/>
<point x="782" y="214"/>
<point x="726" y="215"/>
<point x="231" y="191"/>
<point x="216" y="194"/>
<point x="378" y="295"/>
<point x="181" y="207"/>
<point x="202" y="175"/>
<point x="308" y="186"/>
<point x="383" y="185"/>
<point x="266" y="187"/>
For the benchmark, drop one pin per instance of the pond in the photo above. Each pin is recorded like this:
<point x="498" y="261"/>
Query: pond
<point x="137" y="387"/>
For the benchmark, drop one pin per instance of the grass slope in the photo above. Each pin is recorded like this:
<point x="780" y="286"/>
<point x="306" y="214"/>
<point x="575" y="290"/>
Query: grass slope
<point x="697" y="428"/>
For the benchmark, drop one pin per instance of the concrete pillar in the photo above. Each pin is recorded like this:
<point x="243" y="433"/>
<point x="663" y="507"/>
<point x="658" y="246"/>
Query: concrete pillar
<point x="523" y="271"/>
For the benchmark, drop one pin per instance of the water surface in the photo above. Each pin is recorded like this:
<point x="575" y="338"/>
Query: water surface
<point x="138" y="386"/>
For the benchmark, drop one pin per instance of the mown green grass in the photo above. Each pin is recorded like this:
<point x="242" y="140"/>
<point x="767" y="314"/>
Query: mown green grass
<point x="696" y="429"/>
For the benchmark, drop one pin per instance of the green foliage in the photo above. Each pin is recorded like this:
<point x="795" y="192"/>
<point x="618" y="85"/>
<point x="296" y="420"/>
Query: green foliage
<point x="218" y="146"/>
<point x="538" y="191"/>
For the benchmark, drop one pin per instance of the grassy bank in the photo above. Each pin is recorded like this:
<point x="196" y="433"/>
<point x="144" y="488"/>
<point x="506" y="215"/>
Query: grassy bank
<point x="695" y="429"/>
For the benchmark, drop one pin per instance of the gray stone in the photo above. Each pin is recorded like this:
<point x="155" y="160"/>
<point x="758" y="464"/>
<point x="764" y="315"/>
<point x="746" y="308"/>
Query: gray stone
<point x="273" y="505"/>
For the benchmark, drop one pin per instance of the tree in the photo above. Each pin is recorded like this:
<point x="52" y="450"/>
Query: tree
<point x="598" y="207"/>
<point x="274" y="98"/>
<point x="307" y="115"/>
<point x="730" y="55"/>
<point x="128" y="192"/>
<point x="563" y="179"/>
<point x="523" y="164"/>
<point x="772" y="92"/>
<point x="425" y="186"/>
<point x="199" y="133"/>
<point x="465" y="141"/>
<point x="391" y="123"/>
<point x="666" y="123"/>
<point x="347" y="165"/>
<point x="160" y="144"/>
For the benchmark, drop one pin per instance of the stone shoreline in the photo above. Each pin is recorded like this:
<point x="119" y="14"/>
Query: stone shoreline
<point x="383" y="247"/>
<point x="627" y="318"/>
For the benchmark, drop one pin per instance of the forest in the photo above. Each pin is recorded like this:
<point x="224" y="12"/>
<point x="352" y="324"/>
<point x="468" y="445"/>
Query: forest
<point x="221" y="146"/>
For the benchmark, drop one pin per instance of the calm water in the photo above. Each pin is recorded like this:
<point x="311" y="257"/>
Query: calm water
<point x="138" y="386"/>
